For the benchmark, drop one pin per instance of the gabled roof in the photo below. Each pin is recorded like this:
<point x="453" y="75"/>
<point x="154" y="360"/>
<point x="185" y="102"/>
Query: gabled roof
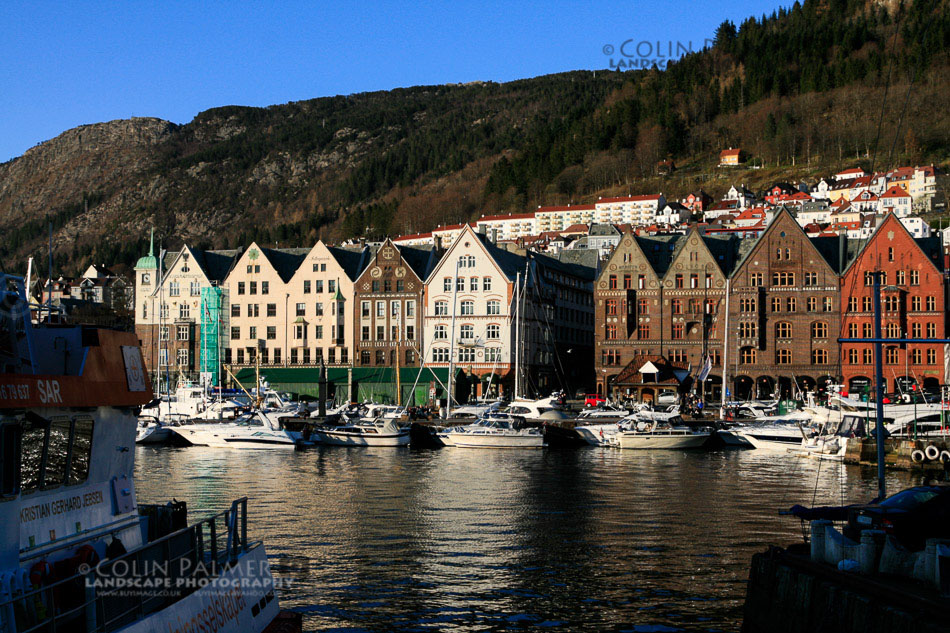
<point x="285" y="261"/>
<point x="784" y="217"/>
<point x="603" y="230"/>
<point x="895" y="192"/>
<point x="352" y="261"/>
<point x="931" y="247"/>
<point x="659" y="250"/>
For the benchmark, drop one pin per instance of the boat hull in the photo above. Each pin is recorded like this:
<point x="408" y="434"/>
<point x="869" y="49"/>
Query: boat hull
<point x="336" y="438"/>
<point x="467" y="440"/>
<point x="258" y="439"/>
<point x="644" y="441"/>
<point x="772" y="441"/>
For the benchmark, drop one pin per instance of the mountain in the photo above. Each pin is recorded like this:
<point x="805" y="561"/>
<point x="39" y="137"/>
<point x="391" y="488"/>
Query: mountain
<point x="801" y="90"/>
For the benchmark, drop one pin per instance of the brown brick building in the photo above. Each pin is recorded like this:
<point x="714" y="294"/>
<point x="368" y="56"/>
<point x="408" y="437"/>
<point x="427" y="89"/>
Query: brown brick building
<point x="663" y="296"/>
<point x="388" y="304"/>
<point x="784" y="313"/>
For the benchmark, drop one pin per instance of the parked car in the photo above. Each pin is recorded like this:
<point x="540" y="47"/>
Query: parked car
<point x="594" y="400"/>
<point x="912" y="516"/>
<point x="667" y="398"/>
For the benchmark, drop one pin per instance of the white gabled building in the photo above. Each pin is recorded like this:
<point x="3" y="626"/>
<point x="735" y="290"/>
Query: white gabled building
<point x="476" y="281"/>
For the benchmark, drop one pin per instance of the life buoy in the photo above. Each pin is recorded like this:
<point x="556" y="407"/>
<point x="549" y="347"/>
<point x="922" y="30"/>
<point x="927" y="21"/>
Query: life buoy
<point x="40" y="573"/>
<point x="932" y="452"/>
<point x="917" y="456"/>
<point x="945" y="456"/>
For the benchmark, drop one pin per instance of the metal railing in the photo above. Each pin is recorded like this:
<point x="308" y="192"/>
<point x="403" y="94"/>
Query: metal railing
<point x="118" y="591"/>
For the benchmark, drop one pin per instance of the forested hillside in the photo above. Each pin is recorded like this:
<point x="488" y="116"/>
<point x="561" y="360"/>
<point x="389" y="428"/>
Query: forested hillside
<point x="821" y="85"/>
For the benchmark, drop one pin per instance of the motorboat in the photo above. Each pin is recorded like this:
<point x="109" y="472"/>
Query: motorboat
<point x="259" y="430"/>
<point x="497" y="431"/>
<point x="388" y="433"/>
<point x="536" y="409"/>
<point x="187" y="400"/>
<point x="79" y="552"/>
<point x="603" y="413"/>
<point x="157" y="431"/>
<point x="372" y="412"/>
<point x="475" y="410"/>
<point x="599" y="434"/>
<point x="660" y="430"/>
<point x="773" y="437"/>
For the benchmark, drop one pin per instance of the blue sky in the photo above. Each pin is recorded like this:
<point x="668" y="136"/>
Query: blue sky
<point x="68" y="63"/>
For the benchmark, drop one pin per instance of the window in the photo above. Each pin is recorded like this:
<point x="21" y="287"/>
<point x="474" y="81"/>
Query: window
<point x="931" y="356"/>
<point x="486" y="283"/>
<point x="694" y="281"/>
<point x="747" y="356"/>
<point x="195" y="289"/>
<point x="447" y="284"/>
<point x="410" y="308"/>
<point x="271" y="332"/>
<point x="746" y="305"/>
<point x="441" y="308"/>
<point x="931" y="330"/>
<point x="819" y="329"/>
<point x="852" y="330"/>
<point x="163" y="357"/>
<point x="440" y="333"/>
<point x="494" y="307"/>
<point x="695" y="306"/>
<point x="400" y="286"/>
<point x="235" y="333"/>
<point x="915" y="330"/>
<point x="643" y="306"/>
<point x="611" y="307"/>
<point x="163" y="333"/>
<point x="678" y="281"/>
<point x="182" y="357"/>
<point x="467" y="355"/>
<point x="819" y="357"/>
<point x="678" y="331"/>
<point x="811" y="304"/>
<point x="364" y="309"/>
<point x="306" y="286"/>
<point x="174" y="289"/>
<point x="394" y="333"/>
<point x="866" y="330"/>
<point x="380" y="309"/>
<point x="468" y="308"/>
<point x="252" y="287"/>
<point x="184" y="311"/>
<point x="776" y="304"/>
<point x="492" y="354"/>
<point x="791" y="304"/>
<point x="756" y="279"/>
<point x="892" y="356"/>
<point x="915" y="304"/>
<point x="747" y="329"/>
<point x="890" y="253"/>
<point x="641" y="281"/>
<point x="253" y="310"/>
<point x="473" y="284"/>
<point x="677" y="306"/>
<point x="394" y="307"/>
<point x="364" y="333"/>
<point x="783" y="329"/>
<point x="915" y="278"/>
<point x="184" y="332"/>
<point x="410" y="332"/>
<point x="293" y="356"/>
<point x="300" y="332"/>
<point x="827" y="304"/>
<point x="460" y="284"/>
<point x="265" y="287"/>
<point x="868" y="278"/>
<point x="467" y="332"/>
<point x="811" y="279"/>
<point x="853" y="356"/>
<point x="364" y="357"/>
<point x="783" y="279"/>
<point x="318" y="309"/>
<point x="318" y="331"/>
<point x="915" y="356"/>
<point x="627" y="282"/>
<point x="380" y="332"/>
<point x="783" y="357"/>
<point x="301" y="309"/>
<point x="612" y="282"/>
<point x="271" y="309"/>
<point x="387" y="285"/>
<point x="901" y="278"/>
<point x="931" y="303"/>
<point x="852" y="304"/>
<point x="467" y="261"/>
<point x="611" y="332"/>
<point x="893" y="330"/>
<point x="331" y="286"/>
<point x="440" y="355"/>
<point x="867" y="356"/>
<point x="866" y="304"/>
<point x="643" y="331"/>
<point x="240" y="287"/>
<point x="493" y="331"/>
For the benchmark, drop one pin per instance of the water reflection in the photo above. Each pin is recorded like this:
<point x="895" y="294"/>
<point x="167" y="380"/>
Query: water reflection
<point x="588" y="540"/>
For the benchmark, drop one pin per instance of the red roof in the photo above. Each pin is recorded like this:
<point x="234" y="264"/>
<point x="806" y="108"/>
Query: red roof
<point x="414" y="236"/>
<point x="895" y="192"/>
<point x="853" y="170"/>
<point x="628" y="199"/>
<point x="729" y="152"/>
<point x="575" y="207"/>
<point x="510" y="216"/>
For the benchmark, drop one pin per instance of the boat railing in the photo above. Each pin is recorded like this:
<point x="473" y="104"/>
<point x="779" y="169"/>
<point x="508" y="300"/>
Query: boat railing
<point x="115" y="592"/>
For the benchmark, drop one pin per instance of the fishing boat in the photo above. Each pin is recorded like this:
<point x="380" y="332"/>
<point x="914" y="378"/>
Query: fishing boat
<point x="73" y="531"/>
<point x="660" y="430"/>
<point x="387" y="433"/>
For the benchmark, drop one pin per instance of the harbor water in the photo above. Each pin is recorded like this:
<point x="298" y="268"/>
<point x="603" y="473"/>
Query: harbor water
<point x="371" y="539"/>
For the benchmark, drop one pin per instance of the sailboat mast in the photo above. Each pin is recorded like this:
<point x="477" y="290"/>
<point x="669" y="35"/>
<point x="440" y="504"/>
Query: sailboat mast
<point x="455" y="292"/>
<point x="517" y="334"/>
<point x="725" y="354"/>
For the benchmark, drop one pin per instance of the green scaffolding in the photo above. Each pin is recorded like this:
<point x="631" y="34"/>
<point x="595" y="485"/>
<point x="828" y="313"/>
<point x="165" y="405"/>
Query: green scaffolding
<point x="212" y="309"/>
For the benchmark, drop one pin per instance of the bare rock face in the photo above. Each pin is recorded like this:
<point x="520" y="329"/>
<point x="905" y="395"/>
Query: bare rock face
<point x="89" y="158"/>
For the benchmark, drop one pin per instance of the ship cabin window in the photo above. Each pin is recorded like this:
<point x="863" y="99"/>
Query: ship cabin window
<point x="54" y="452"/>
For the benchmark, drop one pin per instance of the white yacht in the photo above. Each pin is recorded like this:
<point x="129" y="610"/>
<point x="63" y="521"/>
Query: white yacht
<point x="601" y="414"/>
<point x="158" y="431"/>
<point x="388" y="433"/>
<point x="72" y="528"/>
<point x="259" y="430"/>
<point x="475" y="410"/>
<point x="773" y="437"/>
<point x="497" y="431"/>
<point x="649" y="430"/>
<point x="535" y="409"/>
